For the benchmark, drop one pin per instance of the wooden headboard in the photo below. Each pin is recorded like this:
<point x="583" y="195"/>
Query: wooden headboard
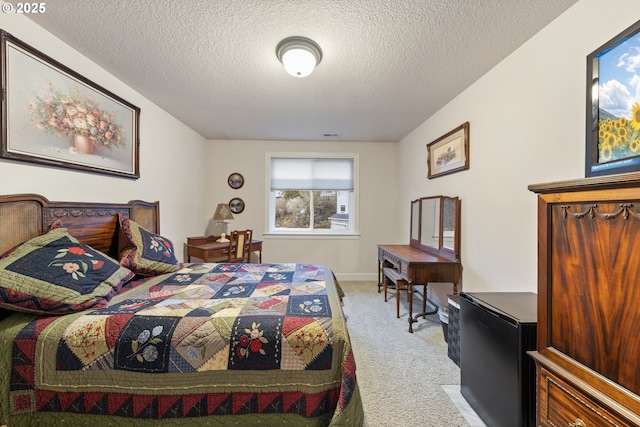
<point x="24" y="216"/>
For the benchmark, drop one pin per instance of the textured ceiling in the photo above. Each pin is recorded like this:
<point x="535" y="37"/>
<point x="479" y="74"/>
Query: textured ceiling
<point x="387" y="65"/>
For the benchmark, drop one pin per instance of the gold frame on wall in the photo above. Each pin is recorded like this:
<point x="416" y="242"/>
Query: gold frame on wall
<point x="449" y="153"/>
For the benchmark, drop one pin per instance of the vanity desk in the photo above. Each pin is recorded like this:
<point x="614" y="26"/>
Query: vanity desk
<point x="433" y="252"/>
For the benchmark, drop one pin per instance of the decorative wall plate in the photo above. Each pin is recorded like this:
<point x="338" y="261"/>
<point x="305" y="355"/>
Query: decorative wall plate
<point x="236" y="205"/>
<point x="235" y="180"/>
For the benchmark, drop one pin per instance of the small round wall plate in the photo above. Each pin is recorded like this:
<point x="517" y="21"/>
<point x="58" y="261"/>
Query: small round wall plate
<point x="236" y="205"/>
<point x="235" y="180"/>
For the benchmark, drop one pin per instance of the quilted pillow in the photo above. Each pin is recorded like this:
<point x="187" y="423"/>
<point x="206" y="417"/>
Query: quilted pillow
<point x="144" y="252"/>
<point x="55" y="274"/>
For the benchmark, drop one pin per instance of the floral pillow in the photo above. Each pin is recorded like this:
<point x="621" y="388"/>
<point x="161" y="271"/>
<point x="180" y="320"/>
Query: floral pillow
<point x="144" y="252"/>
<point x="56" y="274"/>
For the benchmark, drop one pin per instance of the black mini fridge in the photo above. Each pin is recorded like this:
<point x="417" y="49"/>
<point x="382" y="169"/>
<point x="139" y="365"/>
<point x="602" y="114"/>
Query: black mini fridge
<point x="497" y="377"/>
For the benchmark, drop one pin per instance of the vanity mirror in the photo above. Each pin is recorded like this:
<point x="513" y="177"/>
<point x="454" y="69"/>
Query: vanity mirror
<point x="435" y="225"/>
<point x="415" y="221"/>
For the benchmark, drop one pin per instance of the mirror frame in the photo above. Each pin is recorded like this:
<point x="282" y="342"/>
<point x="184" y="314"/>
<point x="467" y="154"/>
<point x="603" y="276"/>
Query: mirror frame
<point x="451" y="253"/>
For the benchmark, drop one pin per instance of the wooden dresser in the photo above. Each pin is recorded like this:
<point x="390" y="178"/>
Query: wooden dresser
<point x="588" y="346"/>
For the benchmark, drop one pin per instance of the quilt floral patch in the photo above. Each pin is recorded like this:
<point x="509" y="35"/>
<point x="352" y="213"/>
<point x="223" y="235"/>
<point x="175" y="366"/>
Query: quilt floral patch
<point x="309" y="305"/>
<point x="256" y="343"/>
<point x="144" y="343"/>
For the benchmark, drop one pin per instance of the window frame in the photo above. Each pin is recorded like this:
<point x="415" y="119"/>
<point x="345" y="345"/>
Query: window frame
<point x="306" y="232"/>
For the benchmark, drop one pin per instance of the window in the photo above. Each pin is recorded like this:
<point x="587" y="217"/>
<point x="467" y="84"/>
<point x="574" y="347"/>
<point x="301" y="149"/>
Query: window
<point x="312" y="194"/>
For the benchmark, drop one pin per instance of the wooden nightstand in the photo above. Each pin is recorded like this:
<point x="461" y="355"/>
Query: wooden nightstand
<point x="208" y="250"/>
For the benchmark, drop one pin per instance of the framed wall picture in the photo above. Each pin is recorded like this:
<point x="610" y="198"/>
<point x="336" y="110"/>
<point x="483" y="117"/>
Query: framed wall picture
<point x="236" y="205"/>
<point x="613" y="106"/>
<point x="54" y="116"/>
<point x="449" y="153"/>
<point x="235" y="180"/>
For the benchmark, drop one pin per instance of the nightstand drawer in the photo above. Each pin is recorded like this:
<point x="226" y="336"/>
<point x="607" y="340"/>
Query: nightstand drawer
<point x="563" y="405"/>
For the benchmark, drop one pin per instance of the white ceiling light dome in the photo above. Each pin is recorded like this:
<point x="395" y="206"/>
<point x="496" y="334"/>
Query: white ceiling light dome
<point x="299" y="55"/>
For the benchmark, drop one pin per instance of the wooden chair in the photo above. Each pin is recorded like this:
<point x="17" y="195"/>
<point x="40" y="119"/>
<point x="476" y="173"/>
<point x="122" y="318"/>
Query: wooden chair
<point x="240" y="246"/>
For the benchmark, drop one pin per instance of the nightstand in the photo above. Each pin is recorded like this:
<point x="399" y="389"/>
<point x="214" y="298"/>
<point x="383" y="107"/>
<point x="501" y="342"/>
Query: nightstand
<point x="208" y="250"/>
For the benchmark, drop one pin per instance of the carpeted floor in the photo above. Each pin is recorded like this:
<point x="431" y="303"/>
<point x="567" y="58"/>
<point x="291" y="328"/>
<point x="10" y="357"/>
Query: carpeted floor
<point x="400" y="375"/>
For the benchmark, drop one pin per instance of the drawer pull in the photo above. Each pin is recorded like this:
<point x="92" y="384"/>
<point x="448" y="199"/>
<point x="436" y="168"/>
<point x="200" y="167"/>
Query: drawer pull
<point x="578" y="423"/>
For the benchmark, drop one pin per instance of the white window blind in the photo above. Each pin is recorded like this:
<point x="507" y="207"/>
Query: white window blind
<point x="311" y="174"/>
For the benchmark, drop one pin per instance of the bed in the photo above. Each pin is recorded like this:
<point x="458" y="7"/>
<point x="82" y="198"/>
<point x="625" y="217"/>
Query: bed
<point x="100" y="325"/>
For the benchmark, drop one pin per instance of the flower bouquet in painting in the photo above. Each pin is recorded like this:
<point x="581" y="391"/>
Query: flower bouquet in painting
<point x="446" y="157"/>
<point x="619" y="137"/>
<point x="78" y="118"/>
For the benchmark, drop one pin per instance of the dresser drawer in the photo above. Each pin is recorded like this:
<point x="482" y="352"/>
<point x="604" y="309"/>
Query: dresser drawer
<point x="560" y="404"/>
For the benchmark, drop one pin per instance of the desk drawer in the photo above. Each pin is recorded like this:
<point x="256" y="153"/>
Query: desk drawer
<point x="392" y="259"/>
<point x="561" y="404"/>
<point x="199" y="240"/>
<point x="404" y="269"/>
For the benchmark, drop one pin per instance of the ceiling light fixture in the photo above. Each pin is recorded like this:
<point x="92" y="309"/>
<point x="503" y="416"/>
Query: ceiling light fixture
<point x="299" y="55"/>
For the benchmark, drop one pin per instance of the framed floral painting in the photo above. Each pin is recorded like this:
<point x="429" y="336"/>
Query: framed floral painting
<point x="449" y="153"/>
<point x="54" y="116"/>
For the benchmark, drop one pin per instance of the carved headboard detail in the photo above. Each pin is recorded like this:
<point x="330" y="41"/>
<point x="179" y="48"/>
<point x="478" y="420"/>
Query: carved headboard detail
<point x="24" y="216"/>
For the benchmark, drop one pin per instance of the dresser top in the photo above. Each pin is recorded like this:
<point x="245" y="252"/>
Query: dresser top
<point x="592" y="183"/>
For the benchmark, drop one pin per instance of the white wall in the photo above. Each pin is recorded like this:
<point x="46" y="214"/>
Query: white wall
<point x="527" y="119"/>
<point x="178" y="185"/>
<point x="350" y="258"/>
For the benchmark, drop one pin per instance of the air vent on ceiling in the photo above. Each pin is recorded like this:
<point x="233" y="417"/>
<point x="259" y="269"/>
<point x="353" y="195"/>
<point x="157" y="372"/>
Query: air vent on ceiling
<point x="330" y="134"/>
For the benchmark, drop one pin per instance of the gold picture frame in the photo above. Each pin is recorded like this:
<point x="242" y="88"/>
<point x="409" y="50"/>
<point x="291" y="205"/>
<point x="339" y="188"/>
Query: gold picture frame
<point x="449" y="153"/>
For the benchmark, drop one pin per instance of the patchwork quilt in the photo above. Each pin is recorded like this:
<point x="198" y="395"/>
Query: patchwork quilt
<point x="210" y="344"/>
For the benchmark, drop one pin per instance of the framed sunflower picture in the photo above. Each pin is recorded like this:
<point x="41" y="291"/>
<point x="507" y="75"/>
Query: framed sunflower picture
<point x="613" y="106"/>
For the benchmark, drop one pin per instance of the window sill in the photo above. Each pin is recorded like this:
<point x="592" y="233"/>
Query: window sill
<point x="301" y="236"/>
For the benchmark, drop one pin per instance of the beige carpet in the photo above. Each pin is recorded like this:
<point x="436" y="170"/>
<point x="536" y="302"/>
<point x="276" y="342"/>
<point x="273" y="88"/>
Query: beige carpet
<point x="400" y="375"/>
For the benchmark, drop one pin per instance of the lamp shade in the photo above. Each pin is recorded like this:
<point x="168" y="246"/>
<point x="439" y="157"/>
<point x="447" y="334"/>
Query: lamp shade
<point x="299" y="55"/>
<point x="222" y="212"/>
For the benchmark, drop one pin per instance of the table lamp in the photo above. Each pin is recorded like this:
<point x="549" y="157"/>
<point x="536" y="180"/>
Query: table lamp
<point x="223" y="213"/>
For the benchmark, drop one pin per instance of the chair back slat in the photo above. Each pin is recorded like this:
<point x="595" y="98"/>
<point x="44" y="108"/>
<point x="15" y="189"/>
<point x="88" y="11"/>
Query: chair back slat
<point x="240" y="246"/>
